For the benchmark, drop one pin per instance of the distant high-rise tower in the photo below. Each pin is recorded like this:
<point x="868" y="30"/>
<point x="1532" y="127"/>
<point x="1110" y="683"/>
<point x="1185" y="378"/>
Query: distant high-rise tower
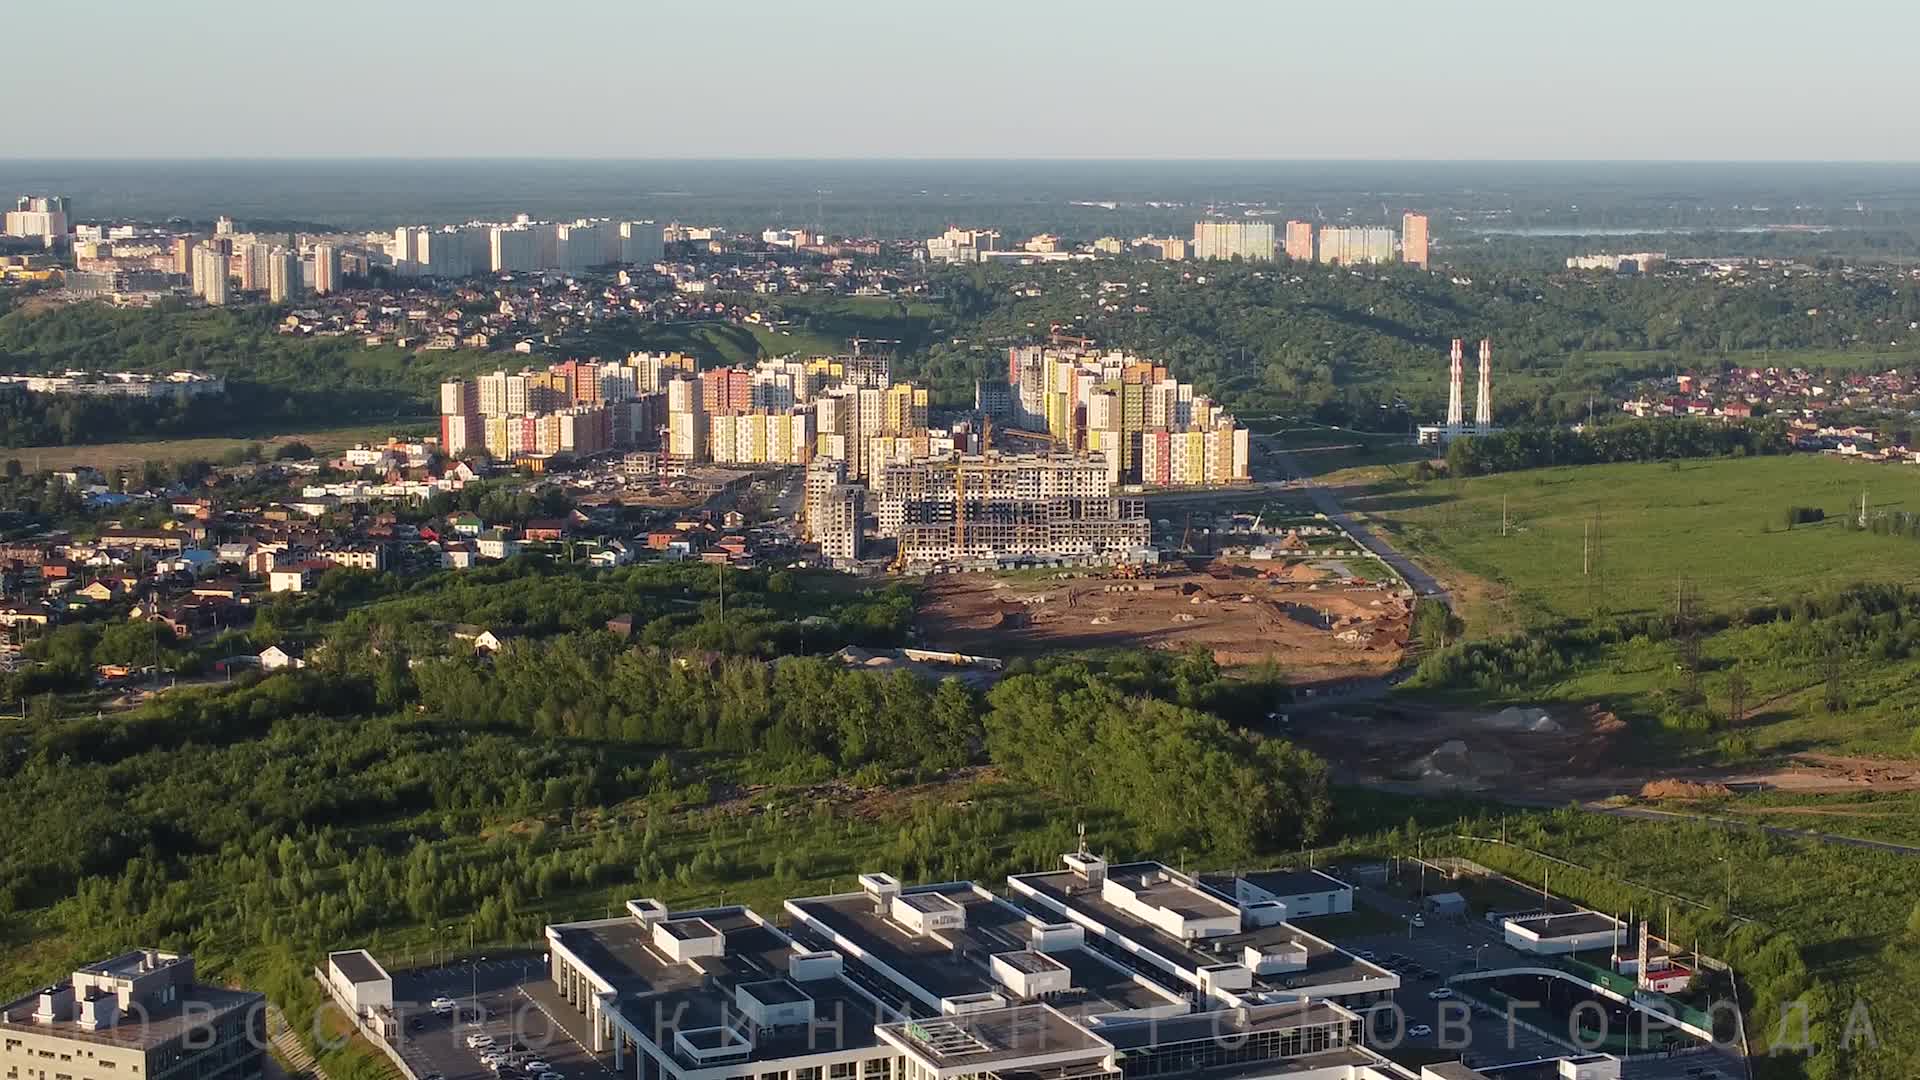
<point x="1249" y="240"/>
<point x="1456" y="408"/>
<point x="326" y="269"/>
<point x="1300" y="241"/>
<point x="283" y="276"/>
<point x="1483" y="401"/>
<point x="1413" y="240"/>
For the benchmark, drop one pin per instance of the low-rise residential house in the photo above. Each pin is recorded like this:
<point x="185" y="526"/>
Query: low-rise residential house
<point x="173" y="540"/>
<point x="466" y="524"/>
<point x="612" y="553"/>
<point x="193" y="562"/>
<point x="281" y="657"/>
<point x="369" y="557"/>
<point x="108" y="589"/>
<point x="314" y="506"/>
<point x="235" y="552"/>
<point x="183" y="621"/>
<point x="497" y="544"/>
<point x="15" y="613"/>
<point x="294" y="578"/>
<point x="482" y="639"/>
<point x="226" y="588"/>
<point x="544" y="529"/>
<point x="457" y="555"/>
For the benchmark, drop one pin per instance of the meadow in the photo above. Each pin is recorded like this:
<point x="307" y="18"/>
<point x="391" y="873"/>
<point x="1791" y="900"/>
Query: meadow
<point x="1715" y="528"/>
<point x="109" y="456"/>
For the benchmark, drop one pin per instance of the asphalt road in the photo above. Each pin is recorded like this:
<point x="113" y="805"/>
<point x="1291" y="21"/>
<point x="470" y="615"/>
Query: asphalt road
<point x="1422" y="582"/>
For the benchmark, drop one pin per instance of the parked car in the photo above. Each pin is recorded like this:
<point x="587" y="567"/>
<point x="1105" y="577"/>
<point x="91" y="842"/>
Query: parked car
<point x="1420" y="1031"/>
<point x="479" y="1042"/>
<point x="537" y="1066"/>
<point x="1440" y="993"/>
<point x="442" y="1004"/>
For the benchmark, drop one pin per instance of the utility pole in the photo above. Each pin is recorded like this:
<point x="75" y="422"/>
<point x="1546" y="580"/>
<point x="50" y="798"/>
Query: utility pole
<point x="1503" y="515"/>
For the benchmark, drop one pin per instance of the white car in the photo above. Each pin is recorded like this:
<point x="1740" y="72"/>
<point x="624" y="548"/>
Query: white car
<point x="1419" y="920"/>
<point x="1441" y="994"/>
<point x="479" y="1042"/>
<point x="442" y="1004"/>
<point x="537" y="1066"/>
<point x="550" y="1076"/>
<point x="1420" y="1031"/>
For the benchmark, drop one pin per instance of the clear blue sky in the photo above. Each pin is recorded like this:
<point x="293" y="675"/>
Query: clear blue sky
<point x="1461" y="79"/>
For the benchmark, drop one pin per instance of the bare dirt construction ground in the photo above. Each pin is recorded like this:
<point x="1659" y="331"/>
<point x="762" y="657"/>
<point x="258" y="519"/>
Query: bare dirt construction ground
<point x="1525" y="754"/>
<point x="1507" y="752"/>
<point x="1316" y="626"/>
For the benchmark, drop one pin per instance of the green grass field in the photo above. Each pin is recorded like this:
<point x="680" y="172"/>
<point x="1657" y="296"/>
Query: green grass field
<point x="109" y="456"/>
<point x="1715" y="528"/>
<point x="1718" y="525"/>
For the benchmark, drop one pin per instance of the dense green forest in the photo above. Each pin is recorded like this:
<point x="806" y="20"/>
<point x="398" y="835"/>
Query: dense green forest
<point x="1364" y="347"/>
<point x="1286" y="336"/>
<point x="274" y="382"/>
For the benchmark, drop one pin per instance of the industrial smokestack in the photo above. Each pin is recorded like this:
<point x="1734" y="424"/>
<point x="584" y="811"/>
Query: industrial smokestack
<point x="1483" y="402"/>
<point x="1456" y="408"/>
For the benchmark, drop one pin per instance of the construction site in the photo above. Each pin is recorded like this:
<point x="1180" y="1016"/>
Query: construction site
<point x="1315" y="618"/>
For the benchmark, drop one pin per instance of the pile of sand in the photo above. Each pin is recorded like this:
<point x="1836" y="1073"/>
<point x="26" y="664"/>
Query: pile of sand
<point x="1453" y="761"/>
<point x="1682" y="789"/>
<point x="1513" y="718"/>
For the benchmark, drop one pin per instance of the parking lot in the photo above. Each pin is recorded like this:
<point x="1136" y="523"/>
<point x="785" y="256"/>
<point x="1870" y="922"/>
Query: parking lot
<point x="1427" y="956"/>
<point x="504" y="997"/>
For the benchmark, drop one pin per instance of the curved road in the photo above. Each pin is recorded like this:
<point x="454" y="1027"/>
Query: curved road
<point x="1422" y="582"/>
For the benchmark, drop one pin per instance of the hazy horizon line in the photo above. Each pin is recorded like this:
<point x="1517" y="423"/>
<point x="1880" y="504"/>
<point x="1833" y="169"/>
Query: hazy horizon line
<point x="914" y="159"/>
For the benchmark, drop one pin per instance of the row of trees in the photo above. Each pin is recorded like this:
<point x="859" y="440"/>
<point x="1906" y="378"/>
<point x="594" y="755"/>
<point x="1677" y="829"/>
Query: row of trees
<point x="1624" y="440"/>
